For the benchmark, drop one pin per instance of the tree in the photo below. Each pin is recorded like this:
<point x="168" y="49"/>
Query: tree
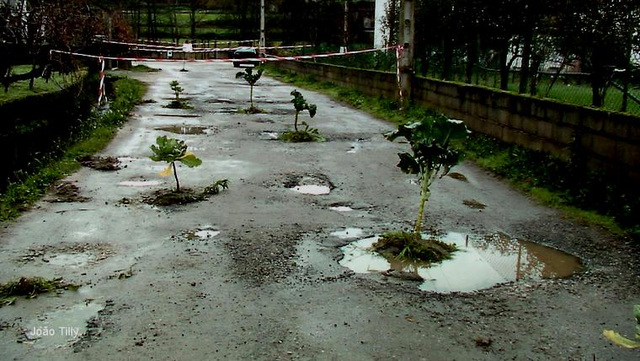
<point x="171" y="151"/>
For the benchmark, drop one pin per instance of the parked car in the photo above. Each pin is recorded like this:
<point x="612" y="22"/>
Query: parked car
<point x="246" y="53"/>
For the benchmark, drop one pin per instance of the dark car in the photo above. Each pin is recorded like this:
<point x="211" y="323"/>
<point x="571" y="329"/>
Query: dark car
<point x="246" y="53"/>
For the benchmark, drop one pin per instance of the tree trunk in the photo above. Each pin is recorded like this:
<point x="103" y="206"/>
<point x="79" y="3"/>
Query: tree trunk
<point x="504" y="67"/>
<point x="295" y="122"/>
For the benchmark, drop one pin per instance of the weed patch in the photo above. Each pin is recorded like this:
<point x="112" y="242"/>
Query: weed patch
<point x="31" y="288"/>
<point x="411" y="246"/>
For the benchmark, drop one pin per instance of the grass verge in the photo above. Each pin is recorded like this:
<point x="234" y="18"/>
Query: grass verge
<point x="103" y="126"/>
<point x="587" y="197"/>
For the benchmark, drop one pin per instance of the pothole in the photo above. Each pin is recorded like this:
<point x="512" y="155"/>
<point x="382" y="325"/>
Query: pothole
<point x="268" y="135"/>
<point x="69" y="255"/>
<point x="65" y="192"/>
<point x="313" y="184"/>
<point x="479" y="263"/>
<point x="458" y="176"/>
<point x="220" y="101"/>
<point x="140" y="183"/>
<point x="356" y="146"/>
<point x="189" y="130"/>
<point x="348" y="233"/>
<point x="100" y="163"/>
<point x="61" y="327"/>
<point x="178" y="115"/>
<point x="341" y="208"/>
<point x="472" y="203"/>
<point x="203" y="233"/>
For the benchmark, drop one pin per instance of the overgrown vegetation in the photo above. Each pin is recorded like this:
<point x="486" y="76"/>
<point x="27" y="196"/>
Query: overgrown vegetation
<point x="586" y="196"/>
<point x="99" y="130"/>
<point x="31" y="288"/>
<point x="307" y="134"/>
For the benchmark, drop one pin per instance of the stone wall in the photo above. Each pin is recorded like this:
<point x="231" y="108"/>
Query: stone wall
<point x="606" y="141"/>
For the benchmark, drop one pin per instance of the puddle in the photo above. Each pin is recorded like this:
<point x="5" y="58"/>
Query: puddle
<point x="178" y="115"/>
<point x="184" y="129"/>
<point x="355" y="146"/>
<point x="341" y="209"/>
<point x="314" y="184"/>
<point x="73" y="260"/>
<point x="61" y="327"/>
<point x="200" y="234"/>
<point x="348" y="233"/>
<point x="140" y="183"/>
<point x="268" y="135"/>
<point x="480" y="262"/>
<point x="312" y="189"/>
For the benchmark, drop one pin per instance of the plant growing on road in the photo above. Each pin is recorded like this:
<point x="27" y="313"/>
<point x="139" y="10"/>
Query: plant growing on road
<point x="171" y="151"/>
<point x="623" y="341"/>
<point x="308" y="134"/>
<point x="252" y="78"/>
<point x="177" y="103"/>
<point x="432" y="154"/>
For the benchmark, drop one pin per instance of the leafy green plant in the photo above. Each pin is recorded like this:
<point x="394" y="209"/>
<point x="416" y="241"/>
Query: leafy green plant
<point x="171" y="151"/>
<point x="621" y="340"/>
<point x="430" y="141"/>
<point x="432" y="154"/>
<point x="307" y="134"/>
<point x="252" y="78"/>
<point x="177" y="103"/>
<point x="300" y="104"/>
<point x="215" y="187"/>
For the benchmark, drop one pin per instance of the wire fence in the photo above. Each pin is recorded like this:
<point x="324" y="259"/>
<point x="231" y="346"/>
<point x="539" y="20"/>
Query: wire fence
<point x="567" y="87"/>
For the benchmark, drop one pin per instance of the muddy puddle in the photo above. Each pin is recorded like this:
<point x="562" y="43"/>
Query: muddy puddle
<point x="203" y="233"/>
<point x="188" y="130"/>
<point x="61" y="327"/>
<point x="479" y="263"/>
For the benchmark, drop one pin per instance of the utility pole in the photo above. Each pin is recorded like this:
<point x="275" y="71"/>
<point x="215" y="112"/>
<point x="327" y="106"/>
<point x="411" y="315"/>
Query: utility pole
<point x="345" y="35"/>
<point x="263" y="40"/>
<point x="407" y="32"/>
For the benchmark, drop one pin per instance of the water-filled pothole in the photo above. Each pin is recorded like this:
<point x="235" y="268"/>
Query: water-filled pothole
<point x="313" y="184"/>
<point x="189" y="130"/>
<point x="341" y="208"/>
<point x="268" y="135"/>
<point x="348" y="233"/>
<point x="479" y="263"/>
<point x="140" y="183"/>
<point x="61" y="327"/>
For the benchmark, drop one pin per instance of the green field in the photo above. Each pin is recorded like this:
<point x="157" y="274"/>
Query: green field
<point x="20" y="89"/>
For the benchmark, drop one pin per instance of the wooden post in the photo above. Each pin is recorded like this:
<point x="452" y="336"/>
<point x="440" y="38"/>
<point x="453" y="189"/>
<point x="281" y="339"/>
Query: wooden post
<point x="407" y="32"/>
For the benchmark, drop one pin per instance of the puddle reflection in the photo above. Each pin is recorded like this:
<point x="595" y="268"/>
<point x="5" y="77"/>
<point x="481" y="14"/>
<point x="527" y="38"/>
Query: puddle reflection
<point x="479" y="263"/>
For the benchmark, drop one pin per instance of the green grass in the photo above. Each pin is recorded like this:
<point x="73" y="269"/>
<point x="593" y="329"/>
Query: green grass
<point x="20" y="89"/>
<point x="19" y="196"/>
<point x="592" y="198"/>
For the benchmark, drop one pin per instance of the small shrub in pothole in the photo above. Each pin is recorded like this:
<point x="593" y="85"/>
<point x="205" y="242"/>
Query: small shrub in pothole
<point x="168" y="197"/>
<point x="307" y="134"/>
<point x="178" y="103"/>
<point x="171" y="151"/>
<point x="430" y="141"/>
<point x="31" y="288"/>
<point x="252" y="78"/>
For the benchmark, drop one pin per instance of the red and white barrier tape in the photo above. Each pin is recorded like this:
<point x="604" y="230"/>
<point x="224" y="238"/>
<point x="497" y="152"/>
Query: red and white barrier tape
<point x="168" y="47"/>
<point x="214" y="50"/>
<point x="101" y="89"/>
<point x="268" y="59"/>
